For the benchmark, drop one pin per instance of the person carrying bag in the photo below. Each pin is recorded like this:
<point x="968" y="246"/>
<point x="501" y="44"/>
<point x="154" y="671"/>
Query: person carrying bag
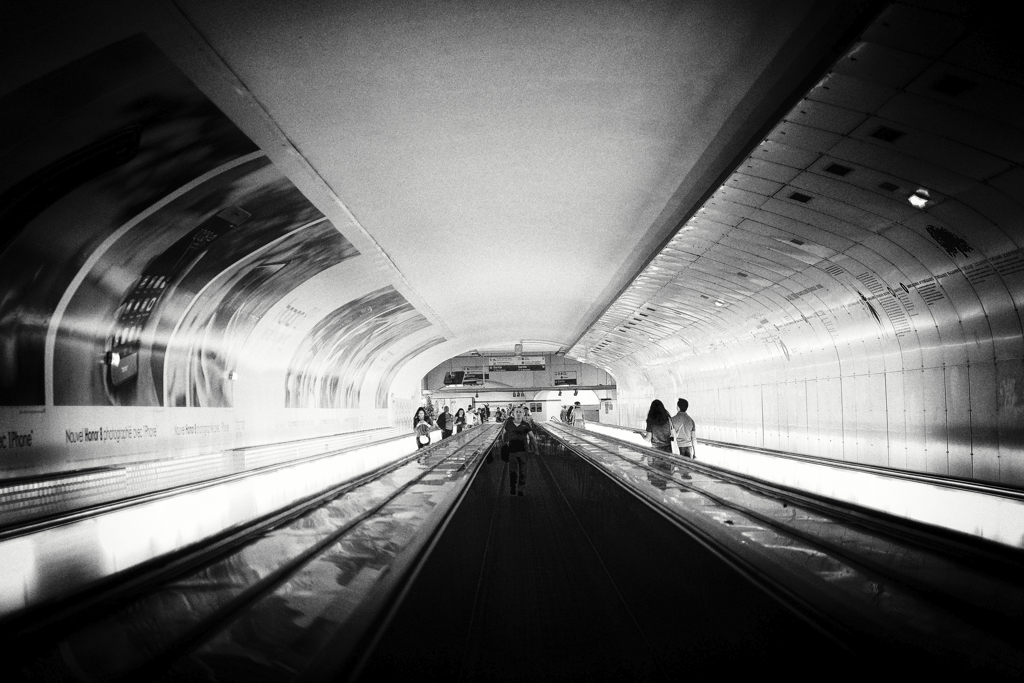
<point x="685" y="431"/>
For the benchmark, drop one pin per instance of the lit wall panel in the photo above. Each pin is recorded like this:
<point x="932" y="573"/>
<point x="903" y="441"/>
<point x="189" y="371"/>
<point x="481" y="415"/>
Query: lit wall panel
<point x="869" y="250"/>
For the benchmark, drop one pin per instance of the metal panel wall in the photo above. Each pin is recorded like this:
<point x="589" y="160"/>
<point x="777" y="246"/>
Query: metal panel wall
<point x="896" y="421"/>
<point x="958" y="425"/>
<point x="854" y="290"/>
<point x="984" y="421"/>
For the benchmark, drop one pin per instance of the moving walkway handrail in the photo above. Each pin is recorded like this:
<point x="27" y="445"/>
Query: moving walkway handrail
<point x="105" y="590"/>
<point x="794" y="601"/>
<point x="994" y="613"/>
<point x="1015" y="493"/>
<point x="930" y="536"/>
<point x="60" y="519"/>
<point x="225" y="611"/>
<point x="926" y="536"/>
<point x="350" y="651"/>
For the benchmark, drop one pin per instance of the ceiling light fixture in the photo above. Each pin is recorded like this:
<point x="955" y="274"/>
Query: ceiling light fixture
<point x="920" y="198"/>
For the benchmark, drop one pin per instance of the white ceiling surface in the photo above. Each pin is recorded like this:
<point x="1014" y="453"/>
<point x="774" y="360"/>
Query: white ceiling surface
<point x="497" y="147"/>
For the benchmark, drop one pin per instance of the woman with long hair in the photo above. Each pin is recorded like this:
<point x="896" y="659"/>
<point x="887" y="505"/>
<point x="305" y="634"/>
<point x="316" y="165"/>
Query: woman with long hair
<point x="421" y="426"/>
<point x="460" y="420"/>
<point x="658" y="429"/>
<point x="659" y="432"/>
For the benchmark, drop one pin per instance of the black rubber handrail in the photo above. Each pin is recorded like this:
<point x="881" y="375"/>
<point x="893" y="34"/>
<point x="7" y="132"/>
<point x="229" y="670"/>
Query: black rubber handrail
<point x="1016" y="493"/>
<point x="821" y="620"/>
<point x="923" y="534"/>
<point x="124" y="585"/>
<point x="350" y="651"/>
<point x="280" y="575"/>
<point x="70" y="517"/>
<point x="61" y="625"/>
<point x="1004" y="563"/>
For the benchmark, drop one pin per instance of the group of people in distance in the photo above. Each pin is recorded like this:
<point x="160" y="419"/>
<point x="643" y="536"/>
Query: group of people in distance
<point x="661" y="428"/>
<point x="573" y="415"/>
<point x="519" y="440"/>
<point x="447" y="422"/>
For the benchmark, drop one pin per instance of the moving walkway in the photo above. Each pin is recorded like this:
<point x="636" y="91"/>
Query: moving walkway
<point x="620" y="563"/>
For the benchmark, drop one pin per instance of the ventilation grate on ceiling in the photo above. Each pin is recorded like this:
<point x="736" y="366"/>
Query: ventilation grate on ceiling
<point x="838" y="169"/>
<point x="889" y="187"/>
<point x="801" y="197"/>
<point x="887" y="134"/>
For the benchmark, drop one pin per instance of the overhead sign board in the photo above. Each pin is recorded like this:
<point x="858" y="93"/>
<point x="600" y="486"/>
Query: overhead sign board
<point x="565" y="378"/>
<point x="516" y="363"/>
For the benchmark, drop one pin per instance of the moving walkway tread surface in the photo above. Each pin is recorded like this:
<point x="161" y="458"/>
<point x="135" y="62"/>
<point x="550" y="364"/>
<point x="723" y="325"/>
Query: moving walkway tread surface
<point x="578" y="580"/>
<point x="171" y="629"/>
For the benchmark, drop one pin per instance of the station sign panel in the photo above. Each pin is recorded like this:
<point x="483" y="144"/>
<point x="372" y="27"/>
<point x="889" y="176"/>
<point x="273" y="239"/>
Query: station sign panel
<point x="516" y="363"/>
<point x="565" y="378"/>
<point x="473" y="378"/>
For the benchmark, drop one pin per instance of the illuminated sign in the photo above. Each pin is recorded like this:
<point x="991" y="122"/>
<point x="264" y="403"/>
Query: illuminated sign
<point x="565" y="378"/>
<point x="516" y="363"/>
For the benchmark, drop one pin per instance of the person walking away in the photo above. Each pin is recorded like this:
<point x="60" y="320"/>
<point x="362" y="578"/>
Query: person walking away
<point x="686" y="429"/>
<point x="421" y="427"/>
<point x="658" y="431"/>
<point x="444" y="421"/>
<point x="460" y="420"/>
<point x="520" y="440"/>
<point x="576" y="416"/>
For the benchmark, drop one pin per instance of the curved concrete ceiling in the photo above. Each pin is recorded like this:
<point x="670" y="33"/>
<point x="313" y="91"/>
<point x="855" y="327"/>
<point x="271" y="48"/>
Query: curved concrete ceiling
<point x="537" y="147"/>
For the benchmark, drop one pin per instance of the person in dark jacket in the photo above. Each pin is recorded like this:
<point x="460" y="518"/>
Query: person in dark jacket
<point x="446" y="422"/>
<point x="460" y="420"/>
<point x="519" y="439"/>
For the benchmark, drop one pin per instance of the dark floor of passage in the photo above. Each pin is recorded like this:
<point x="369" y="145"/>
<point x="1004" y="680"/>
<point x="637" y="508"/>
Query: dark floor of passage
<point x="578" y="580"/>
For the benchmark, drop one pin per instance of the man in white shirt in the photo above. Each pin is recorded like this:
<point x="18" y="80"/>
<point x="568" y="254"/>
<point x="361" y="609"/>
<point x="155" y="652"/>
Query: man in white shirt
<point x="576" y="417"/>
<point x="685" y="428"/>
